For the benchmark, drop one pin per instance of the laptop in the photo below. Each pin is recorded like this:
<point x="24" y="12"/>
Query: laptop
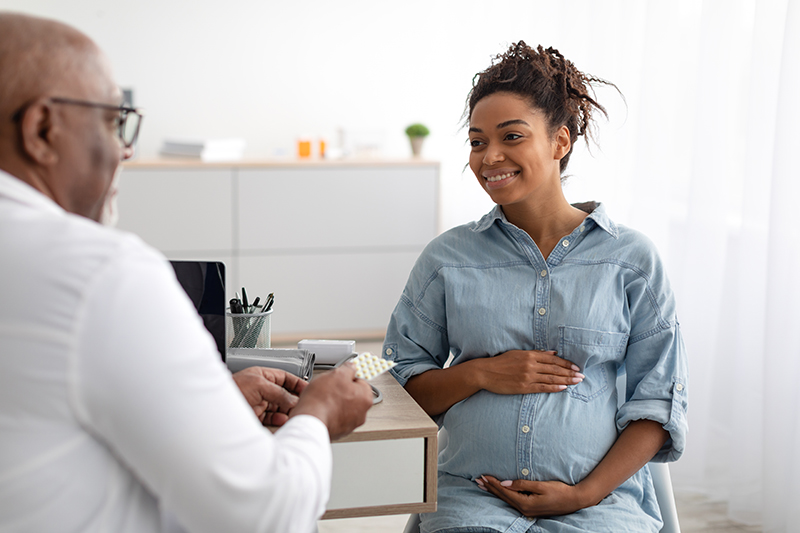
<point x="204" y="282"/>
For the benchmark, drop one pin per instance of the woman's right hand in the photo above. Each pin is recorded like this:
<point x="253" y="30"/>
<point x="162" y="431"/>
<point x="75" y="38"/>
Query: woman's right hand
<point x="526" y="371"/>
<point x="513" y="372"/>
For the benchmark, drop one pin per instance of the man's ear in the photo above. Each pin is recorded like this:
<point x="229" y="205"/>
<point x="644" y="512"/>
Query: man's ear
<point x="561" y="143"/>
<point x="36" y="127"/>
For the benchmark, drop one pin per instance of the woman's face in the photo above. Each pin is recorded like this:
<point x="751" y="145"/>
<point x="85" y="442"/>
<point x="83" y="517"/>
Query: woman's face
<point x="513" y="156"/>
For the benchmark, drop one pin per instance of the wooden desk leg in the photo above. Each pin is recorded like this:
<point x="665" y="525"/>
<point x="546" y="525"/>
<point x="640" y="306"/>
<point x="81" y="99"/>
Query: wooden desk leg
<point x="431" y="471"/>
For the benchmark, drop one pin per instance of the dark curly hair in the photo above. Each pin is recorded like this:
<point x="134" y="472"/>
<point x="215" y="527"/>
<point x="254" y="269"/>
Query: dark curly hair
<point x="549" y="82"/>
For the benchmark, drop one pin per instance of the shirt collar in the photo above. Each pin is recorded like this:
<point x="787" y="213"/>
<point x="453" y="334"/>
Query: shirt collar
<point x="596" y="210"/>
<point x="17" y="190"/>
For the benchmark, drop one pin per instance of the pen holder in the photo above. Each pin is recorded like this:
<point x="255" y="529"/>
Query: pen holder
<point x="248" y="330"/>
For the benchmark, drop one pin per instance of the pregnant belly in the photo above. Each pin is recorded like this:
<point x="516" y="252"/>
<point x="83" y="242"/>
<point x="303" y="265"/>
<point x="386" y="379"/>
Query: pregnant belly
<point x="553" y="437"/>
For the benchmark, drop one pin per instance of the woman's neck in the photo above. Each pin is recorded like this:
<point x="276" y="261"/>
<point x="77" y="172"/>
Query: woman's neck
<point x="546" y="222"/>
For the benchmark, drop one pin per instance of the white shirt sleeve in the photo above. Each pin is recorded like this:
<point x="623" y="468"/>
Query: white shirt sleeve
<point x="148" y="382"/>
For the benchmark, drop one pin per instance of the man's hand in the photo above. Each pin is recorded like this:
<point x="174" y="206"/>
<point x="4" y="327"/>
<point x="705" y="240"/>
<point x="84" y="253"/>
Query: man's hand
<point x="535" y="498"/>
<point x="526" y="372"/>
<point x="271" y="392"/>
<point x="337" y="398"/>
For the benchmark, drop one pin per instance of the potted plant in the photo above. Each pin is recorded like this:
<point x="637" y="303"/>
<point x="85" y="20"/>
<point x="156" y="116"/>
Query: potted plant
<point x="416" y="134"/>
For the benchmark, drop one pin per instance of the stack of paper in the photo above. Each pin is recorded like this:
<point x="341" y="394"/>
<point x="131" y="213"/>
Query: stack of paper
<point x="206" y="150"/>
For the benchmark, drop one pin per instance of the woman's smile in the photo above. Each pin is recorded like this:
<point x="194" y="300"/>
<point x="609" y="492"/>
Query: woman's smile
<point x="499" y="178"/>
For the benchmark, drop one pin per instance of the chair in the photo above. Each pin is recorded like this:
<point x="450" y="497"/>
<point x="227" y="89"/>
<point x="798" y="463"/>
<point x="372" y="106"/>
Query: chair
<point x="666" y="501"/>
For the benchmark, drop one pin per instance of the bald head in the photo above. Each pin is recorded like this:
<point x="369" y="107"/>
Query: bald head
<point x="68" y="152"/>
<point x="41" y="57"/>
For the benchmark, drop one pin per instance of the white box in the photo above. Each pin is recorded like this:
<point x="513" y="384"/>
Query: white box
<point x="328" y="352"/>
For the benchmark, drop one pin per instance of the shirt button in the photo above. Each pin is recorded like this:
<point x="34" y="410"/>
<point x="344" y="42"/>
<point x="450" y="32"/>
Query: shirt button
<point x="525" y="471"/>
<point x="542" y="311"/>
<point x="530" y="518"/>
<point x="679" y="387"/>
<point x="388" y="351"/>
<point x="526" y="429"/>
<point x="543" y="273"/>
<point x="565" y="243"/>
<point x="582" y="228"/>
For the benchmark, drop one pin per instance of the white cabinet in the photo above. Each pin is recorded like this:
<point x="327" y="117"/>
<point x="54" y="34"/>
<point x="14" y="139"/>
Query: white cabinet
<point x="334" y="241"/>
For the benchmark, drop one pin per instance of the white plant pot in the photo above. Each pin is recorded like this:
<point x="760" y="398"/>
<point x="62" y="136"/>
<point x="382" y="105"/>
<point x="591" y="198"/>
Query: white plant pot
<point x="416" y="145"/>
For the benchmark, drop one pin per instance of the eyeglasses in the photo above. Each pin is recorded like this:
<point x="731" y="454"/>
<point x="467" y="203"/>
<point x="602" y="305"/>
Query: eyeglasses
<point x="127" y="124"/>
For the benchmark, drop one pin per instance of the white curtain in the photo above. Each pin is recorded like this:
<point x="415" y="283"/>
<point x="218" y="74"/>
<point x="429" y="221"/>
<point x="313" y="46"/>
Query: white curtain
<point x="715" y="182"/>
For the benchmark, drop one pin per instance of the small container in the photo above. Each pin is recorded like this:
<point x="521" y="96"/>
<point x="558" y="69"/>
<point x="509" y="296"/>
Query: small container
<point x="304" y="148"/>
<point x="248" y="330"/>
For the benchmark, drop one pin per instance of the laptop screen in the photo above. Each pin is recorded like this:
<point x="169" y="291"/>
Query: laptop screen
<point x="204" y="282"/>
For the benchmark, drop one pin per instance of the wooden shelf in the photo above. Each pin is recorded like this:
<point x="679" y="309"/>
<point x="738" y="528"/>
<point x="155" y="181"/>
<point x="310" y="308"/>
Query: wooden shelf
<point x="188" y="163"/>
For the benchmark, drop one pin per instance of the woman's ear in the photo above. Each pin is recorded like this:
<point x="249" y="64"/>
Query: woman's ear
<point x="36" y="127"/>
<point x="561" y="143"/>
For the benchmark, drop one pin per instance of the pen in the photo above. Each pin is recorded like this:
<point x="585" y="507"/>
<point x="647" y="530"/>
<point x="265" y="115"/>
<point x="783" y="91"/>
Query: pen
<point x="244" y="299"/>
<point x="269" y="302"/>
<point x="254" y="307"/>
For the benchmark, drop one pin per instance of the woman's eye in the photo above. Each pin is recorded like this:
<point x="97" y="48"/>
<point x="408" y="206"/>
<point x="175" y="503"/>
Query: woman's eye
<point x="513" y="136"/>
<point x="475" y="143"/>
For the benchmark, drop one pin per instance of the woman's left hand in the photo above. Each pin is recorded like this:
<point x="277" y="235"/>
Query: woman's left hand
<point x="535" y="498"/>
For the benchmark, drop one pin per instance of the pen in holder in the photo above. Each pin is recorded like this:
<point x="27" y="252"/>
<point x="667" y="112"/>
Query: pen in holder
<point x="248" y="330"/>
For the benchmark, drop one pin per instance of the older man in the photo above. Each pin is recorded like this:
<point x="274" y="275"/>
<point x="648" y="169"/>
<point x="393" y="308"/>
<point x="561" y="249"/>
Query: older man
<point x="113" y="405"/>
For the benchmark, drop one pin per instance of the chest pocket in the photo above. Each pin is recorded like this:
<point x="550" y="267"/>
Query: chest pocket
<point x="596" y="353"/>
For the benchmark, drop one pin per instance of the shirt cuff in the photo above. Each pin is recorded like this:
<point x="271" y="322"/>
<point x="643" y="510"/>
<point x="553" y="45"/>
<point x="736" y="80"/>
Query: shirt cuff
<point x="310" y="425"/>
<point x="671" y="414"/>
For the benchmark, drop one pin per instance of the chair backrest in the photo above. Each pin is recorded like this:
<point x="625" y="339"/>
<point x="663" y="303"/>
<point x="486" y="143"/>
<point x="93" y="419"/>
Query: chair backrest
<point x="662" y="482"/>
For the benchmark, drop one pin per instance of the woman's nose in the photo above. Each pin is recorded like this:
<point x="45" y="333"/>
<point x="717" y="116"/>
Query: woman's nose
<point x="494" y="154"/>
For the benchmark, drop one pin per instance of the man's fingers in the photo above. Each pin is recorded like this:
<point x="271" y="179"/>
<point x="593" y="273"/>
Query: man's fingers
<point x="274" y="419"/>
<point x="348" y="369"/>
<point x="278" y="397"/>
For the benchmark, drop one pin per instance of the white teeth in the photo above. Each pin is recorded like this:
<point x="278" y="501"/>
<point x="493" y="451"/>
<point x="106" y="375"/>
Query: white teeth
<point x="500" y="177"/>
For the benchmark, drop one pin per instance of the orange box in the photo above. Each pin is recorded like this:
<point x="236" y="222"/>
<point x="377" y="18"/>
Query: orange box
<point x="303" y="148"/>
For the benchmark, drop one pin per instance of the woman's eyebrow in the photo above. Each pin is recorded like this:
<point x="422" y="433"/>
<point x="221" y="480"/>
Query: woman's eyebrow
<point x="502" y="125"/>
<point x="511" y="122"/>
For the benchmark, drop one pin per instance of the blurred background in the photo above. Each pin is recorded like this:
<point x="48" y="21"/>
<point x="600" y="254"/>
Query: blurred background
<point x="698" y="154"/>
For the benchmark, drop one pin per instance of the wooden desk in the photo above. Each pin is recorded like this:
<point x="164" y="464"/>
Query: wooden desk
<point x="388" y="465"/>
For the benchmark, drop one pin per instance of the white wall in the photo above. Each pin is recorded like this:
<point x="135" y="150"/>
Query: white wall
<point x="271" y="71"/>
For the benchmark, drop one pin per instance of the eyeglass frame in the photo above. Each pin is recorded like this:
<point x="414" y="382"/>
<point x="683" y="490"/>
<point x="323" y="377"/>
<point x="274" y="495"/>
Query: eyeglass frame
<point x="124" y="111"/>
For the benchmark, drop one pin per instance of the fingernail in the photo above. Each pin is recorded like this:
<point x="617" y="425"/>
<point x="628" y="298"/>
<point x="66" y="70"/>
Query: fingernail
<point x="575" y="368"/>
<point x="562" y="387"/>
<point x="484" y="479"/>
<point x="479" y="482"/>
<point x="506" y="483"/>
<point x="483" y="488"/>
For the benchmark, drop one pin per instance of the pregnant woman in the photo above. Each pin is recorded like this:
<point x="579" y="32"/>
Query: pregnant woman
<point x="542" y="305"/>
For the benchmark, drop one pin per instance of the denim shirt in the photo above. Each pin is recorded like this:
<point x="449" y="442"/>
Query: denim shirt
<point x="602" y="301"/>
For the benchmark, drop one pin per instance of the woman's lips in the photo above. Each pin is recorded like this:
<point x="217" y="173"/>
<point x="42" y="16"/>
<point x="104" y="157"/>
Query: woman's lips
<point x="494" y="180"/>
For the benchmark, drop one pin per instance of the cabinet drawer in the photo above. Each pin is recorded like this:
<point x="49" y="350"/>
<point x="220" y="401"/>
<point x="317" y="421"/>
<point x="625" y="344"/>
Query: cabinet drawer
<point x="347" y="207"/>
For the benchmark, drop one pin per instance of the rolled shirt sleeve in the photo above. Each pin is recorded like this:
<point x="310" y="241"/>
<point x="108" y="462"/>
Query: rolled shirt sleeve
<point x="657" y="388"/>
<point x="416" y="337"/>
